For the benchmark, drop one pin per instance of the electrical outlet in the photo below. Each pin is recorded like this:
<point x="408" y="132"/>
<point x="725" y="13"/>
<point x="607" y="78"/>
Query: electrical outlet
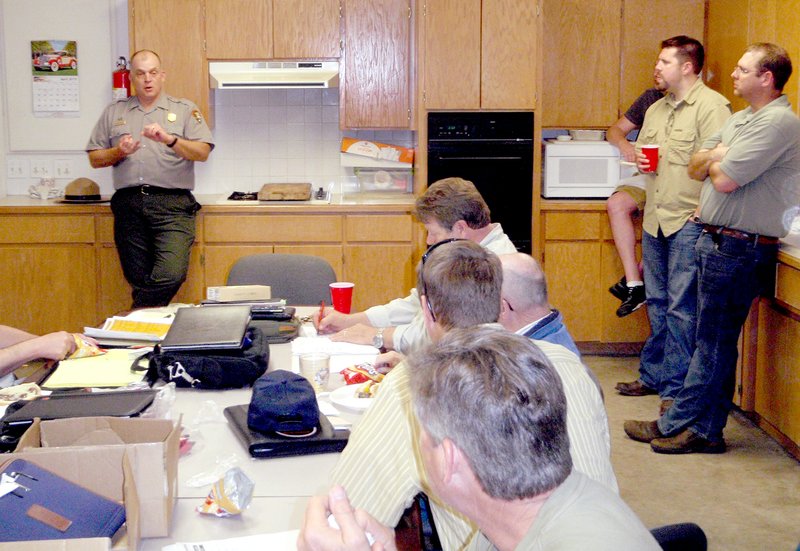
<point x="63" y="168"/>
<point x="41" y="168"/>
<point x="18" y="168"/>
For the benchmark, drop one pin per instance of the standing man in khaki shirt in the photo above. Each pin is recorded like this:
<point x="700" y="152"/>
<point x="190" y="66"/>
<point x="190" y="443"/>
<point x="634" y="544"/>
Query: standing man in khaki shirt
<point x="679" y="123"/>
<point x="152" y="141"/>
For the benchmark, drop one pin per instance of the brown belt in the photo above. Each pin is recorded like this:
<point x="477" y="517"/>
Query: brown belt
<point x="741" y="235"/>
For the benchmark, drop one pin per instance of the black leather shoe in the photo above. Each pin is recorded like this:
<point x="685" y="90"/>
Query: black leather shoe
<point x="619" y="289"/>
<point x="642" y="431"/>
<point x="686" y="442"/>
<point x="634" y="299"/>
<point x="665" y="405"/>
<point x="635" y="388"/>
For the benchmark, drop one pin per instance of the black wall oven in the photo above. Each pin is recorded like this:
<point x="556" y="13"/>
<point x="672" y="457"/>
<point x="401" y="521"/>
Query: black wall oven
<point x="493" y="150"/>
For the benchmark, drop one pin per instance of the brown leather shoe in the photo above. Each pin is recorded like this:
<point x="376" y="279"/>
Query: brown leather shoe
<point x="642" y="431"/>
<point x="686" y="442"/>
<point x="635" y="388"/>
<point x="665" y="405"/>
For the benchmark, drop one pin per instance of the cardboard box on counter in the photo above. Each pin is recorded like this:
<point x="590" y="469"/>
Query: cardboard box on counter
<point x="149" y="445"/>
<point x="377" y="150"/>
<point x="233" y="293"/>
<point x="104" y="471"/>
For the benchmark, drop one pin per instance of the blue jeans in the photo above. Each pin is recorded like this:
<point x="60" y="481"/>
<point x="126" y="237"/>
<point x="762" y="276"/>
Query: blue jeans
<point x="670" y="279"/>
<point x="731" y="273"/>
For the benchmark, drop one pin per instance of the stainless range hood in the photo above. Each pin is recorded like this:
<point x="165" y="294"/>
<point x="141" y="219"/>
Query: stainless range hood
<point x="273" y="74"/>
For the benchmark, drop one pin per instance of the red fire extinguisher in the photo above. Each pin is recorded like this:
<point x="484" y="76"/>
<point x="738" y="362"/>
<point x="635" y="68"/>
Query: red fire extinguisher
<point x="121" y="87"/>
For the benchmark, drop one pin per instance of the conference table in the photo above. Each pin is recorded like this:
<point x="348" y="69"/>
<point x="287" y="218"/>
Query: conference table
<point x="283" y="486"/>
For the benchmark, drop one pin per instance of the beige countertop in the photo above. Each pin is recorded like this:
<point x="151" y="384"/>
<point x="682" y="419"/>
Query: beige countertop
<point x="218" y="203"/>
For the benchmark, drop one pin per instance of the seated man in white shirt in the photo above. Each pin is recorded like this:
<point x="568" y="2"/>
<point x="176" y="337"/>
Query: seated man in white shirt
<point x="18" y="347"/>
<point x="460" y="284"/>
<point x="449" y="209"/>
<point x="493" y="442"/>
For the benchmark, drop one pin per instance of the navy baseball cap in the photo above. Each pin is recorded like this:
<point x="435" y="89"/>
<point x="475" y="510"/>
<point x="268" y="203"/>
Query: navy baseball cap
<point x="283" y="403"/>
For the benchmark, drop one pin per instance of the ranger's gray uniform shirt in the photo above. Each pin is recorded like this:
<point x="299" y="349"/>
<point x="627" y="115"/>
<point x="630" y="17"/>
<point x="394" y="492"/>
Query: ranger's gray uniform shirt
<point x="154" y="163"/>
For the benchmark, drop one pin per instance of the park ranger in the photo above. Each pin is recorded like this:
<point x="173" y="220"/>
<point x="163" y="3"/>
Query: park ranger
<point x="152" y="141"/>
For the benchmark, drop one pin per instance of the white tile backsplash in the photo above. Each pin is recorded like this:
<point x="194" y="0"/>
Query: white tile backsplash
<point x="261" y="136"/>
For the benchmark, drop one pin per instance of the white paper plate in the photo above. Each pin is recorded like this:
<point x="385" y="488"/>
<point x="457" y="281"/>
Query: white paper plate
<point x="345" y="398"/>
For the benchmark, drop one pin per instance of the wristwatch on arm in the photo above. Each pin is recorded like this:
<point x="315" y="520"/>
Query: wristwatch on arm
<point x="377" y="340"/>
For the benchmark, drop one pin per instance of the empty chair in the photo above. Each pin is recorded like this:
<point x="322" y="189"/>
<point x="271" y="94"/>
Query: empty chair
<point x="300" y="279"/>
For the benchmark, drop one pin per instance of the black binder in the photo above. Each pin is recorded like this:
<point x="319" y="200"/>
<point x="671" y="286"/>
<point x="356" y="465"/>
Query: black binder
<point x="207" y="328"/>
<point x="49" y="507"/>
<point x="123" y="403"/>
<point x="259" y="444"/>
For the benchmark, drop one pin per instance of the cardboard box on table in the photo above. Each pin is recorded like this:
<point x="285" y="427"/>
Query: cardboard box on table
<point x="149" y="445"/>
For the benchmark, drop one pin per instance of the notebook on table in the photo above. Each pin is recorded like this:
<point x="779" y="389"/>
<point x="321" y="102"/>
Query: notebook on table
<point x="207" y="328"/>
<point x="259" y="444"/>
<point x="45" y="507"/>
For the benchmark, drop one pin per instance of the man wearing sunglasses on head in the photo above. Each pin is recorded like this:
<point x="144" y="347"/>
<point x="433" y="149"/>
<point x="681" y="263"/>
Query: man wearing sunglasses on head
<point x="449" y="209"/>
<point x="460" y="286"/>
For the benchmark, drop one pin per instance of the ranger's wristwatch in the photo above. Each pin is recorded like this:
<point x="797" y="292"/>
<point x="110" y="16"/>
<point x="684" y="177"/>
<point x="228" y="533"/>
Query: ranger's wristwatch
<point x="377" y="340"/>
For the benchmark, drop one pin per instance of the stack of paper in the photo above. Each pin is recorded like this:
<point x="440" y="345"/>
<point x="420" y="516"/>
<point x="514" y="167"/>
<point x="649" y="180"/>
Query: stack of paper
<point x="135" y="329"/>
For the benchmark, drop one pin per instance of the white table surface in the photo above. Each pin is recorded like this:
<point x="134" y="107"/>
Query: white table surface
<point x="282" y="485"/>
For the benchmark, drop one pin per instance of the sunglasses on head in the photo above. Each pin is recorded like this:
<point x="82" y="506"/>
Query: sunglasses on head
<point x="422" y="268"/>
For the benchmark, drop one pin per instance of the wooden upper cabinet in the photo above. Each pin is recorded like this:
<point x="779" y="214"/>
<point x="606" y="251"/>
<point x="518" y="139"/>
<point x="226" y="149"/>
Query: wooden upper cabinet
<point x="272" y="29"/>
<point x="174" y="30"/>
<point x="581" y="58"/>
<point x="734" y="24"/>
<point x="452" y="54"/>
<point x="480" y="54"/>
<point x="376" y="64"/>
<point x="239" y="29"/>
<point x="305" y="29"/>
<point x="641" y="44"/>
<point x="508" y="54"/>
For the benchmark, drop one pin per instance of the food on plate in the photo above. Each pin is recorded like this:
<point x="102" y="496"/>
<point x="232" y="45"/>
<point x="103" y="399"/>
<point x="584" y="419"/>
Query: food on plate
<point x="361" y="373"/>
<point x="369" y="390"/>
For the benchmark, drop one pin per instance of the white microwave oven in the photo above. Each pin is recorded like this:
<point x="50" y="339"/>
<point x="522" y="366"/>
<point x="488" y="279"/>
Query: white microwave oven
<point x="582" y="169"/>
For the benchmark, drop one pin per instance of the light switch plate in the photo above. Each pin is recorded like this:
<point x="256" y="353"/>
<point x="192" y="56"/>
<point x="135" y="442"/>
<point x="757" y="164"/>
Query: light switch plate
<point x="41" y="168"/>
<point x="18" y="168"/>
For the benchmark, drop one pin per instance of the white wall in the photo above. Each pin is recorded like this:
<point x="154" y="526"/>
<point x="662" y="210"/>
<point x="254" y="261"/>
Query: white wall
<point x="262" y="136"/>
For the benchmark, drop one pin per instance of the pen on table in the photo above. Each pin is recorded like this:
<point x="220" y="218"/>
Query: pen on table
<point x="321" y="309"/>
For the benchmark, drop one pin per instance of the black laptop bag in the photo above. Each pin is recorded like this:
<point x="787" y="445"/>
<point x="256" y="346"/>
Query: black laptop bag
<point x="212" y="369"/>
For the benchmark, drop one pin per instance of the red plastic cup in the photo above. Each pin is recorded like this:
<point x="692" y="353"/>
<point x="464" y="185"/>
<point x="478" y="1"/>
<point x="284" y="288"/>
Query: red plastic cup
<point x="651" y="152"/>
<point x="342" y="296"/>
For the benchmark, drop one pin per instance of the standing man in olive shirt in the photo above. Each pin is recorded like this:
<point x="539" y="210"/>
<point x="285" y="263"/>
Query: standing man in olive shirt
<point x="679" y="124"/>
<point x="152" y="141"/>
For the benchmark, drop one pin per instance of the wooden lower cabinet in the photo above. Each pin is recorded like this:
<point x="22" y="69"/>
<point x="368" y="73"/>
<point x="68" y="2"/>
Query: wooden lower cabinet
<point x="47" y="271"/>
<point x="381" y="272"/>
<point x="581" y="263"/>
<point x="777" y="379"/>
<point x="62" y="271"/>
<point x="375" y="251"/>
<point x="773" y="392"/>
<point x="48" y="288"/>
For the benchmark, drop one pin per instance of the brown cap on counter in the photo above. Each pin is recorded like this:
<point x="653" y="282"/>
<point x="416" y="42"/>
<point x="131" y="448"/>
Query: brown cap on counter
<point x="82" y="189"/>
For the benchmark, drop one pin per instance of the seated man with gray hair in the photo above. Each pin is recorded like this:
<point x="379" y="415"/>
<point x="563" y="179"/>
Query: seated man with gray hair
<point x="493" y="444"/>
